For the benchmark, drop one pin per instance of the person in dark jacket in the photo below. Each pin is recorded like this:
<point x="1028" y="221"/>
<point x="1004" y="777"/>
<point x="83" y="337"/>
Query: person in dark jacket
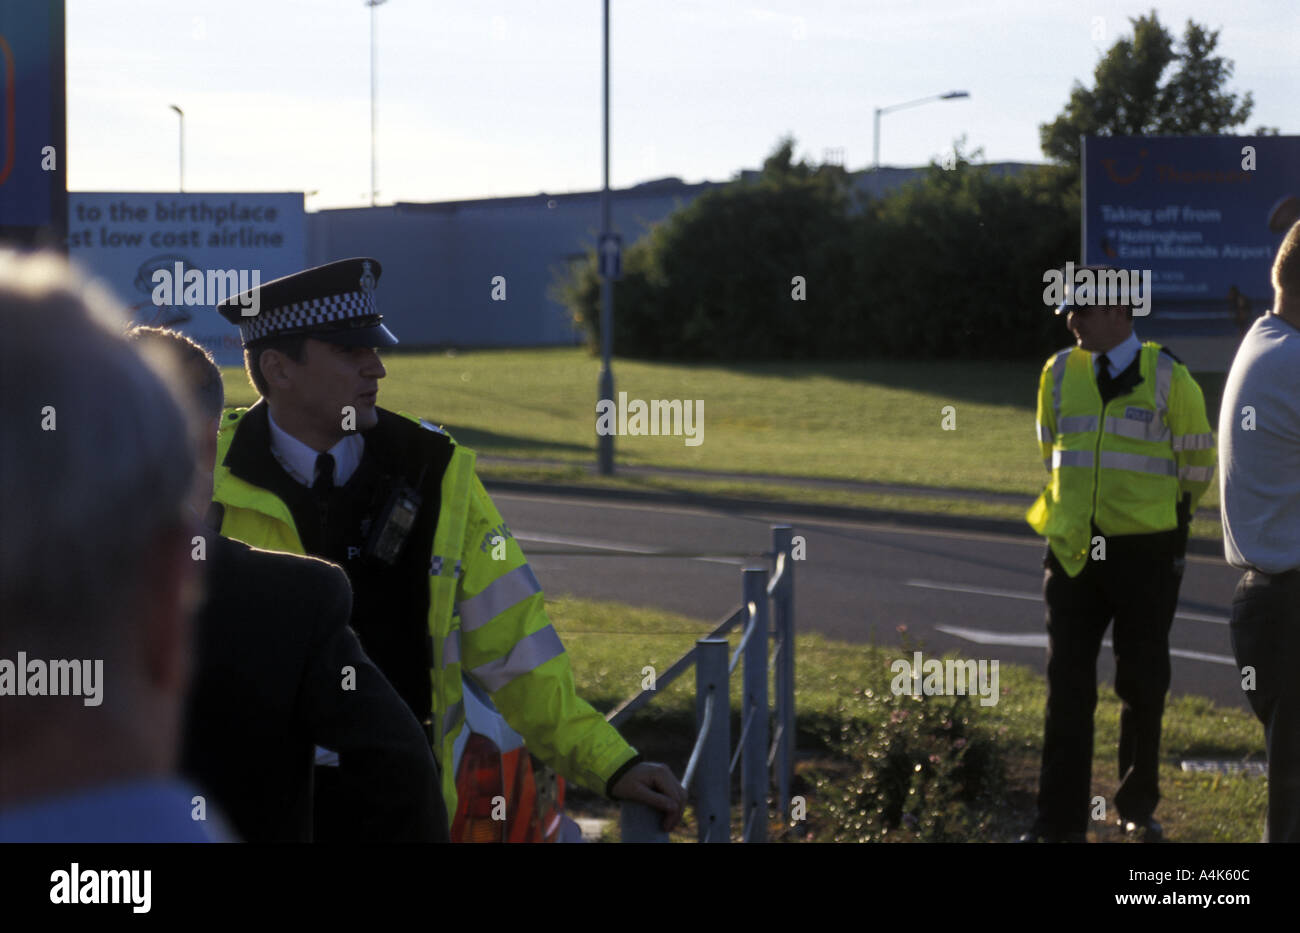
<point x="278" y="672"/>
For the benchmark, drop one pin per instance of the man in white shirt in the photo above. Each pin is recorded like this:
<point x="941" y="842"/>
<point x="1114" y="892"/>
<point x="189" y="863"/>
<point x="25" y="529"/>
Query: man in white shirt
<point x="1259" y="449"/>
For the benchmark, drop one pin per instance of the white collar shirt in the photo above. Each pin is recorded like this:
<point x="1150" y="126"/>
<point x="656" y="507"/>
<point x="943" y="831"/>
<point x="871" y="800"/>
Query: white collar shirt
<point x="299" y="460"/>
<point x="1120" y="356"/>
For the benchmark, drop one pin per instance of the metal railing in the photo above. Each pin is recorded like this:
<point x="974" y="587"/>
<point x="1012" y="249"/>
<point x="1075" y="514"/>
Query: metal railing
<point x="711" y="764"/>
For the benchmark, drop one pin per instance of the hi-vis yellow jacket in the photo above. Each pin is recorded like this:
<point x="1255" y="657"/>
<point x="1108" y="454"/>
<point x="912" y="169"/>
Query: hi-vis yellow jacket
<point x="486" y="619"/>
<point x="1124" y="465"/>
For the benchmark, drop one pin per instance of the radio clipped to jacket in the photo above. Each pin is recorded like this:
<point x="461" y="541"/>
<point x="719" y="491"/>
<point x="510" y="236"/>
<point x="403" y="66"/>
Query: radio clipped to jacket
<point x="390" y="530"/>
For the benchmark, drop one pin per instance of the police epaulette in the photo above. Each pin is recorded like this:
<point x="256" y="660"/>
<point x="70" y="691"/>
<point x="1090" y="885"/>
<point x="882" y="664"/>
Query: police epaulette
<point x="1172" y="355"/>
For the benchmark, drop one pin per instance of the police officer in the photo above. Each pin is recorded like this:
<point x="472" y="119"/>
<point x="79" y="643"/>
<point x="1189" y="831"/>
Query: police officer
<point x="444" y="600"/>
<point x="254" y="718"/>
<point x="1124" y="435"/>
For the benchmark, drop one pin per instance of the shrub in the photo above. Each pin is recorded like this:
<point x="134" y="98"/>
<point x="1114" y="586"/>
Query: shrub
<point x="950" y="266"/>
<point x="920" y="770"/>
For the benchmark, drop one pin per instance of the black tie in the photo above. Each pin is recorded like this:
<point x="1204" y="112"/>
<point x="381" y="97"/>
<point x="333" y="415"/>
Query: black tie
<point x="1104" y="380"/>
<point x="324" y="474"/>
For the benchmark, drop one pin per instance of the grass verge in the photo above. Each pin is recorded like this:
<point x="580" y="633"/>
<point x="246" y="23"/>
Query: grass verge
<point x="878" y="421"/>
<point x="841" y="689"/>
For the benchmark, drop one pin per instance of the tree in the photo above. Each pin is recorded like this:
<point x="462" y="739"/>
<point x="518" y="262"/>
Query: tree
<point x="1129" y="98"/>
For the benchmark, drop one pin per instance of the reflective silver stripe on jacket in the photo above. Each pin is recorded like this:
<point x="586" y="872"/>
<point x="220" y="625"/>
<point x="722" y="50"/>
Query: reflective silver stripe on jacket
<point x="1137" y="463"/>
<point x="1164" y="378"/>
<point x="451" y="647"/>
<point x="1138" y="430"/>
<point x="1193" y="441"/>
<point x="450" y="718"/>
<point x="1071" y="458"/>
<point x="1196" y="474"/>
<point x="1077" y="424"/>
<point x="527" y="654"/>
<point x="1058" y="379"/>
<point x="505" y="591"/>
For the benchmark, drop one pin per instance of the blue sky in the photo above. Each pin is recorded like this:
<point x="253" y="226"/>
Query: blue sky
<point x="480" y="99"/>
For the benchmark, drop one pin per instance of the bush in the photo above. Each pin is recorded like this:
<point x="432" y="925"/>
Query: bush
<point x="919" y="771"/>
<point x="954" y="264"/>
<point x="714" y="280"/>
<point x="948" y="267"/>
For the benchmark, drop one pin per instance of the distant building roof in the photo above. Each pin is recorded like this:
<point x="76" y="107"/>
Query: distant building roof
<point x="873" y="183"/>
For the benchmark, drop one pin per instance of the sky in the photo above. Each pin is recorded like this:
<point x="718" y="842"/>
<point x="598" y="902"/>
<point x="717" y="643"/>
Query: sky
<point x="486" y="99"/>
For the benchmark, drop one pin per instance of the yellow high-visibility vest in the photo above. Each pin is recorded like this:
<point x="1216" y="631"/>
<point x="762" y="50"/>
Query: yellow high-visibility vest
<point x="486" y="618"/>
<point x="1124" y="465"/>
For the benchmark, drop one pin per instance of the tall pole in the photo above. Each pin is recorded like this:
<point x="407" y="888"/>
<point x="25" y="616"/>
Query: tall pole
<point x="181" y="114"/>
<point x="605" y="441"/>
<point x="875" y="143"/>
<point x="374" y="184"/>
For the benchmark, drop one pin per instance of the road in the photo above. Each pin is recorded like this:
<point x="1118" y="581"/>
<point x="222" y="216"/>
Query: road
<point x="973" y="593"/>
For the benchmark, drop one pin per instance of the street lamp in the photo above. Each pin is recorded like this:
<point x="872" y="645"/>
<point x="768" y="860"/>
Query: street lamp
<point x="605" y="440"/>
<point x="181" y="113"/>
<point x="373" y="185"/>
<point x="875" y="147"/>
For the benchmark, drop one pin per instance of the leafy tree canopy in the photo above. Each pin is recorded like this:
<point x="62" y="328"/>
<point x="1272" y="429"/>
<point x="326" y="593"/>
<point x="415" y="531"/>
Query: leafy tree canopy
<point x="1136" y="93"/>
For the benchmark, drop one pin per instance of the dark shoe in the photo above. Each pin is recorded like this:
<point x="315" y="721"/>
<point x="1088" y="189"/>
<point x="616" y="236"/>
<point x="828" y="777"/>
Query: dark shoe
<point x="1147" y="830"/>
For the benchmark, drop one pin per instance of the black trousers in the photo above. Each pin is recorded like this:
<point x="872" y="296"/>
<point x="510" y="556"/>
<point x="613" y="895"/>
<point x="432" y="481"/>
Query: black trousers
<point x="1136" y="586"/>
<point x="1266" y="636"/>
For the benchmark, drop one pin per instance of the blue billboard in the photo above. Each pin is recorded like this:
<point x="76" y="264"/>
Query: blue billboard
<point x="1204" y="213"/>
<point x="33" y="191"/>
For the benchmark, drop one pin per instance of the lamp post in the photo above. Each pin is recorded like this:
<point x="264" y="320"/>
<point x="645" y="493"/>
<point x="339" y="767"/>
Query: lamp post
<point x="875" y="147"/>
<point x="181" y="113"/>
<point x="373" y="183"/>
<point x="605" y="441"/>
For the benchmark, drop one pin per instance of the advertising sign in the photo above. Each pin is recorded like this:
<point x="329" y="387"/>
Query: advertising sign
<point x="1204" y="213"/>
<point x="172" y="257"/>
<point x="32" y="157"/>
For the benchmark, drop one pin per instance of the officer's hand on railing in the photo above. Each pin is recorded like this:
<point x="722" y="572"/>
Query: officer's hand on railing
<point x="654" y="785"/>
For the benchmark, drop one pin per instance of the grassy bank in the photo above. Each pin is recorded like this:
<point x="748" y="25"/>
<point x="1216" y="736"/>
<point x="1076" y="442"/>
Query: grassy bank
<point x="845" y="686"/>
<point x="878" y="421"/>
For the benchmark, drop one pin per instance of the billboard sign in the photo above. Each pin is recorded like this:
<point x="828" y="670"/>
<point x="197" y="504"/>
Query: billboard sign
<point x="32" y="125"/>
<point x="171" y="257"/>
<point x="1204" y="213"/>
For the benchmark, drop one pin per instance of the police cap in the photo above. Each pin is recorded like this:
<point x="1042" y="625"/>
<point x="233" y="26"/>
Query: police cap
<point x="334" y="302"/>
<point x="1069" y="304"/>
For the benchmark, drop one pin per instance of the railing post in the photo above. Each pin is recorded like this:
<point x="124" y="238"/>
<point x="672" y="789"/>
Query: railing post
<point x="639" y="822"/>
<point x="753" y="764"/>
<point x="783" y="607"/>
<point x="713" y="773"/>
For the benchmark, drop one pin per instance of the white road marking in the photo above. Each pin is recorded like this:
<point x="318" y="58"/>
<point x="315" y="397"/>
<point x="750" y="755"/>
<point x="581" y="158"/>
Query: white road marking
<point x="611" y="546"/>
<point x="1038" y="598"/>
<point x="977" y="590"/>
<point x="1021" y="640"/>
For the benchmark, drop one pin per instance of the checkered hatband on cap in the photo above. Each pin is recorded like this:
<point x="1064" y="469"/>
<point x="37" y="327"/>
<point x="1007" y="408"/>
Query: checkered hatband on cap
<point x="306" y="316"/>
